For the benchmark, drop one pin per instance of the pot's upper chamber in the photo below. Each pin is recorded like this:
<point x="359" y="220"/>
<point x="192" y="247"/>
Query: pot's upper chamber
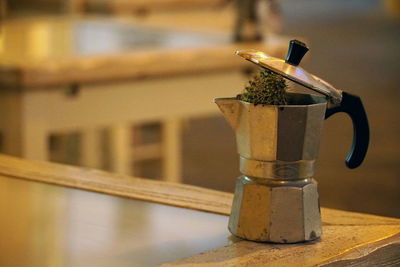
<point x="269" y="132"/>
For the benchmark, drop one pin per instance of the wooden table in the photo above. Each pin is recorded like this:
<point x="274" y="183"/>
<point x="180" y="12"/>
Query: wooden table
<point x="55" y="215"/>
<point x="69" y="74"/>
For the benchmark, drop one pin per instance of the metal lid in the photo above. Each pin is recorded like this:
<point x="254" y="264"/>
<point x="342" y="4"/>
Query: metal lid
<point x="289" y="69"/>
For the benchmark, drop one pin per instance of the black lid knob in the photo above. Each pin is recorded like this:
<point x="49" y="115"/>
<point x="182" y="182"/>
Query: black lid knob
<point x="296" y="52"/>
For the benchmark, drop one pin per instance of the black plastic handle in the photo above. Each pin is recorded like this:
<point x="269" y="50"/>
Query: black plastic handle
<point x="296" y="52"/>
<point x="352" y="105"/>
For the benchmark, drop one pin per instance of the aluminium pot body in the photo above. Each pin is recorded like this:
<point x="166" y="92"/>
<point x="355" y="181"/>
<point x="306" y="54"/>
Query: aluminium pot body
<point x="276" y="199"/>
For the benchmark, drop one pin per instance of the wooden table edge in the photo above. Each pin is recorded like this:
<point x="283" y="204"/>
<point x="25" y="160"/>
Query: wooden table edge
<point x="196" y="198"/>
<point x="157" y="191"/>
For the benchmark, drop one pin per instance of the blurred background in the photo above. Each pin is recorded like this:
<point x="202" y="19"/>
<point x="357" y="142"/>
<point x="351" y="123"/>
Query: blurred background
<point x="127" y="86"/>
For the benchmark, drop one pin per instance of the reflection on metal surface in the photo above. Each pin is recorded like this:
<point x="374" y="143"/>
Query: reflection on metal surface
<point x="276" y="133"/>
<point x="46" y="225"/>
<point x="276" y="200"/>
<point x="293" y="73"/>
<point x="269" y="210"/>
<point x="285" y="170"/>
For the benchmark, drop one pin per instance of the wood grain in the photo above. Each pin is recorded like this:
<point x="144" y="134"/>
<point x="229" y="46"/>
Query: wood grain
<point x="340" y="246"/>
<point x="174" y="194"/>
<point x="179" y="195"/>
<point x="349" y="238"/>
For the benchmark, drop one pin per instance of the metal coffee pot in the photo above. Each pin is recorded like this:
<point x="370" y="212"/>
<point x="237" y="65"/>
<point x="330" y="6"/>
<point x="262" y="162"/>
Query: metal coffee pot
<point x="276" y="199"/>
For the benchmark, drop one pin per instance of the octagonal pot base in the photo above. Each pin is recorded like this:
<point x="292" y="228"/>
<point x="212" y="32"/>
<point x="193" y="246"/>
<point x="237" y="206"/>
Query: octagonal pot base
<point x="268" y="210"/>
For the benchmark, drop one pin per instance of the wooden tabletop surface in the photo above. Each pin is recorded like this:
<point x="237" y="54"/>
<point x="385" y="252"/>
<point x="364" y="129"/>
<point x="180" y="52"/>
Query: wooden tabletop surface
<point x="48" y="225"/>
<point x="43" y="51"/>
<point x="45" y="221"/>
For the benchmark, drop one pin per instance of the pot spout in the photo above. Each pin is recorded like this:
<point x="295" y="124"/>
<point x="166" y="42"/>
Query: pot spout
<point x="230" y="108"/>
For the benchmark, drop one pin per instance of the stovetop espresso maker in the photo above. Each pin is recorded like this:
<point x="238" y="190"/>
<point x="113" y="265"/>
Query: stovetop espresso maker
<point x="276" y="199"/>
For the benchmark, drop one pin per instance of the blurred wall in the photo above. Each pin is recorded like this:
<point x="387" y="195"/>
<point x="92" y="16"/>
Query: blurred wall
<point x="354" y="46"/>
<point x="34" y="6"/>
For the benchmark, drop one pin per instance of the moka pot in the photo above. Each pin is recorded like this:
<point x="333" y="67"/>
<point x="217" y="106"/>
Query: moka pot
<point x="276" y="199"/>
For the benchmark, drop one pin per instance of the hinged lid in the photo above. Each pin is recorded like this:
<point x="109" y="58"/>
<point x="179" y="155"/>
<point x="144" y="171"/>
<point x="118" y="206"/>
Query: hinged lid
<point x="289" y="69"/>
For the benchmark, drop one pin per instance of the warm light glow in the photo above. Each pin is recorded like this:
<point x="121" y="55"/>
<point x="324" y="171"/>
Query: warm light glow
<point x="39" y="40"/>
<point x="1" y="42"/>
